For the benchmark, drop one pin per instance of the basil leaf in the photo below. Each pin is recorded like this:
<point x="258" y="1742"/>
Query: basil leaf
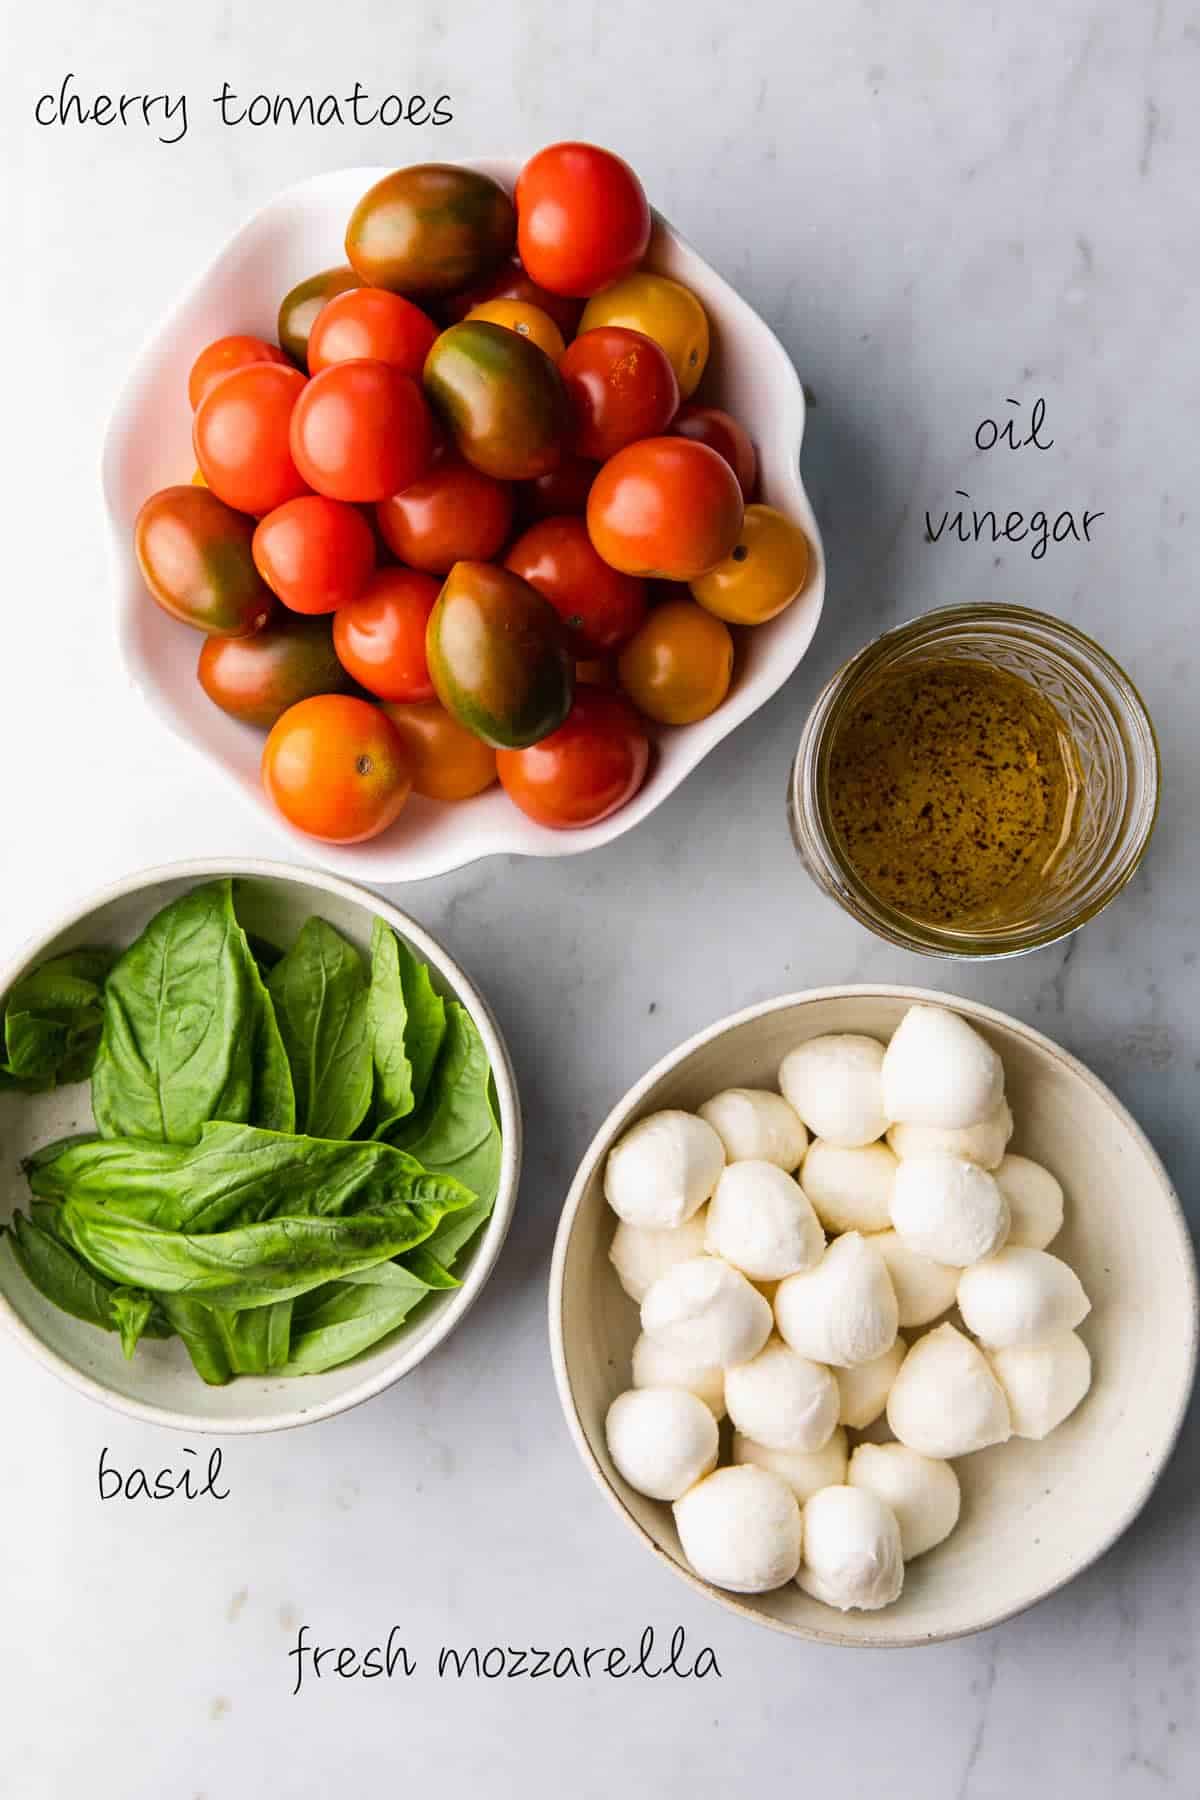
<point x="132" y="1311"/>
<point x="387" y="1016"/>
<point x="455" y="1232"/>
<point x="425" y="1019"/>
<point x="179" y="1038"/>
<point x="454" y="1132"/>
<point x="202" y="1337"/>
<point x="273" y="1105"/>
<point x="53" y="1017"/>
<point x="319" y="992"/>
<point x="256" y="1340"/>
<point x="63" y="1278"/>
<point x="343" y="1318"/>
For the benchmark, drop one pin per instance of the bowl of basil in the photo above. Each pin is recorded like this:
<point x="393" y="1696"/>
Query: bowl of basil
<point x="260" y="1140"/>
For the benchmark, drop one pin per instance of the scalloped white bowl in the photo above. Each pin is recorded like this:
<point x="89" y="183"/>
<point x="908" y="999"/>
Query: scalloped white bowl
<point x="148" y="446"/>
<point x="159" y="1384"/>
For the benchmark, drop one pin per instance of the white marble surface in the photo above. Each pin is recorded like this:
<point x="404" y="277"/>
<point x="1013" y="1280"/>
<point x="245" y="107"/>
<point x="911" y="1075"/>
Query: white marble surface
<point x="938" y="208"/>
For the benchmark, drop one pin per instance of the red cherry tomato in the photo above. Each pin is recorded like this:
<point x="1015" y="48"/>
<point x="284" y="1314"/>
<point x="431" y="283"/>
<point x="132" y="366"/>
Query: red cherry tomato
<point x="241" y="437"/>
<point x="316" y="554"/>
<point x="221" y="358"/>
<point x="380" y="637"/>
<point x="593" y="763"/>
<point x="336" y="768"/>
<point x="452" y="513"/>
<point x="621" y="387"/>
<point x="599" y="606"/>
<point x="361" y="431"/>
<point x="371" y="323"/>
<point x="722" y="433"/>
<point x="510" y="282"/>
<point x="561" y="490"/>
<point x="582" y="218"/>
<point x="665" y="506"/>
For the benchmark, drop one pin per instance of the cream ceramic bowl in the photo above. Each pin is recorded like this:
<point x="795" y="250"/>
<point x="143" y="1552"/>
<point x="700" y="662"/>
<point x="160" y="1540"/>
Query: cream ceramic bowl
<point x="1034" y="1514"/>
<point x="159" y="1383"/>
<point x="148" y="446"/>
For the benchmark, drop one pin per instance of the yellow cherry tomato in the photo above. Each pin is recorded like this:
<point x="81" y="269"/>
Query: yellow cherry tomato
<point x="198" y="478"/>
<point x="528" y="321"/>
<point x="677" y="666"/>
<point x="762" y="574"/>
<point x="448" y="761"/>
<point x="663" y="310"/>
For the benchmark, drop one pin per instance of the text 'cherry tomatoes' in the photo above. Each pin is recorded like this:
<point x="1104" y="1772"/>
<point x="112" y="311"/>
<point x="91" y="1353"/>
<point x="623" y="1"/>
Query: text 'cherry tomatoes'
<point x="451" y="513"/>
<point x="361" y="431"/>
<point x="582" y="218"/>
<point x="621" y="387"/>
<point x="594" y="763"/>
<point x="709" y="425"/>
<point x="256" y="679"/>
<point x="665" y="506"/>
<point x="599" y="606"/>
<point x="763" y="573"/>
<point x="371" y="324"/>
<point x="223" y="357"/>
<point x="314" y="553"/>
<point x="677" y="667"/>
<point x="241" y="437"/>
<point x="194" y="553"/>
<point x="336" y="768"/>
<point x="448" y="761"/>
<point x="380" y="637"/>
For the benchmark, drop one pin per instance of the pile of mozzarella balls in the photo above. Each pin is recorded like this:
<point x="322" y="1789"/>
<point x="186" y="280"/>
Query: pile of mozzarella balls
<point x="778" y="1244"/>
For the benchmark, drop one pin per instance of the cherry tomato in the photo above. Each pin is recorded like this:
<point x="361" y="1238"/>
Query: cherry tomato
<point x="528" y="321"/>
<point x="361" y="431"/>
<point x="665" y="506"/>
<point x="240" y="434"/>
<point x="194" y="555"/>
<point x="336" y="768"/>
<point x="582" y="218"/>
<point x="380" y="637"/>
<point x="763" y="573"/>
<point x="451" y="513"/>
<point x="594" y="763"/>
<point x="370" y="323"/>
<point x="429" y="229"/>
<point x="665" y="311"/>
<point x="510" y="282"/>
<point x="256" y="679"/>
<point x="709" y="425"/>
<point x="678" y="666"/>
<point x="301" y="304"/>
<point x="316" y="554"/>
<point x="448" y="761"/>
<point x="597" y="671"/>
<point x="221" y="358"/>
<point x="599" y="606"/>
<point x="621" y="387"/>
<point x="561" y="490"/>
<point x="501" y="399"/>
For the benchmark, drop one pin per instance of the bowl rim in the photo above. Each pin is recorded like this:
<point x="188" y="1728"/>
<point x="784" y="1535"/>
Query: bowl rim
<point x="602" y="1140"/>
<point x="740" y="706"/>
<point x="401" y="1361"/>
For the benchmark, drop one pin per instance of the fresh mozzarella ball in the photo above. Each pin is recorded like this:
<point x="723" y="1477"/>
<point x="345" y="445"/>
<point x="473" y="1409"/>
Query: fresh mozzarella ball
<point x="939" y="1071"/>
<point x="756" y="1125"/>
<point x="1021" y="1296"/>
<point x="662" y="1440"/>
<point x="842" y="1312"/>
<point x="1035" y="1202"/>
<point x="983" y="1143"/>
<point x="641" y="1254"/>
<point x="740" y="1529"/>
<point x="761" y="1221"/>
<point x="782" y="1400"/>
<point x="947" y="1209"/>
<point x="663" y="1170"/>
<point x="851" y="1190"/>
<point x="834" y="1084"/>
<point x="655" y="1366"/>
<point x="852" y="1554"/>
<point x="945" y="1401"/>
<point x="863" y="1391"/>
<point x="924" y="1289"/>
<point x="922" y="1491"/>
<point x="1044" y="1382"/>
<point x="705" y="1311"/>
<point x="804" y="1471"/>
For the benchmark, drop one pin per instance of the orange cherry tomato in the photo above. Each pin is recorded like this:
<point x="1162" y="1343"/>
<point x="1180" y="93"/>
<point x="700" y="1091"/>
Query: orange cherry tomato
<point x="527" y="321"/>
<point x="562" y="490"/>
<point x="452" y="513"/>
<point x="665" y="506"/>
<point x="225" y="355"/>
<point x="599" y="606"/>
<point x="510" y="282"/>
<point x="380" y="637"/>
<point x="763" y="573"/>
<point x="621" y="387"/>
<point x="677" y="667"/>
<point x="315" y="553"/>
<point x="582" y="218"/>
<point x="594" y="763"/>
<point x="241" y="437"/>
<point x="448" y="761"/>
<point x="336" y="768"/>
<point x="722" y="433"/>
<point x="371" y="323"/>
<point x="361" y="431"/>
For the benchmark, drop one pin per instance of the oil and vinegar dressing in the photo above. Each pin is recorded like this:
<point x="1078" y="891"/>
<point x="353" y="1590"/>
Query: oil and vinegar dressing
<point x="953" y="787"/>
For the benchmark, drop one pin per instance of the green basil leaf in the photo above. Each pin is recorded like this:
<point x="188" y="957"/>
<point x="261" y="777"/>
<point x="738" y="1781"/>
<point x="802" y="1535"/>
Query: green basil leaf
<point x="132" y="1310"/>
<point x="387" y="1016"/>
<point x="256" y="1340"/>
<point x="454" y="1132"/>
<point x="53" y="1018"/>
<point x="202" y="1337"/>
<point x="59" y="1275"/>
<point x="425" y="1019"/>
<point x="319" y="991"/>
<point x="421" y="1263"/>
<point x="341" y="1319"/>
<point x="456" y="1231"/>
<point x="273" y="1106"/>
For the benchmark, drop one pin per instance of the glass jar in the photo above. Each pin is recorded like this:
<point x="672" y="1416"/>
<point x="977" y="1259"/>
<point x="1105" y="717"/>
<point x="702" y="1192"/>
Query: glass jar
<point x="1114" y="744"/>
